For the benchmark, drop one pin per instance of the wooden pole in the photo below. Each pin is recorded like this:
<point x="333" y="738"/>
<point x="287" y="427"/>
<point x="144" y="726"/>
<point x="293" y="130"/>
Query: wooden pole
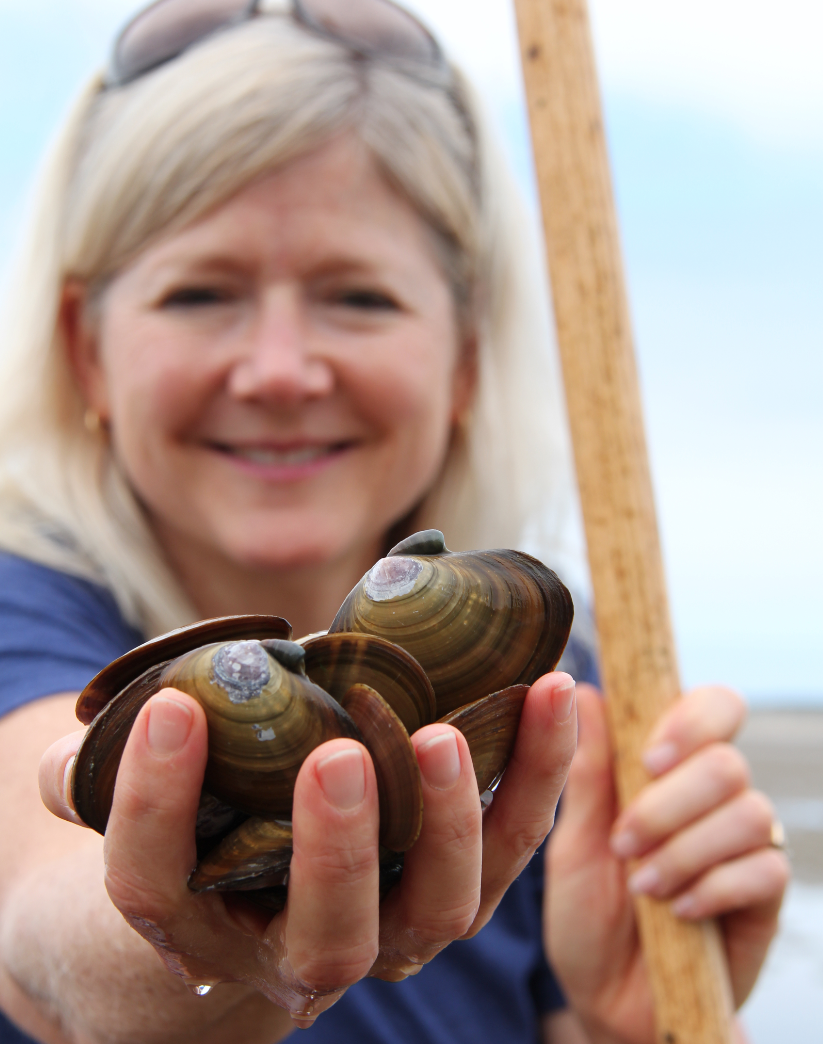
<point x="685" y="961"/>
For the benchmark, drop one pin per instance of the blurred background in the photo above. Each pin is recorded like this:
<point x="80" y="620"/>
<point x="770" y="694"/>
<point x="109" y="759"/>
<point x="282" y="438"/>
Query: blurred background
<point x="714" y="112"/>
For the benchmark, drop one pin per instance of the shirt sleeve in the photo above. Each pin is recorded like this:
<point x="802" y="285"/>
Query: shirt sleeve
<point x="56" y="632"/>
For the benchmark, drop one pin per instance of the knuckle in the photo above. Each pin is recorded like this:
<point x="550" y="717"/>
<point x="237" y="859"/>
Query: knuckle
<point x="760" y="811"/>
<point x="735" y="701"/>
<point x="135" y="804"/>
<point x="329" y="970"/>
<point x="727" y="767"/>
<point x="453" y="832"/>
<point x="779" y="870"/>
<point x="135" y="898"/>
<point x="452" y="924"/>
<point x="343" y="867"/>
<point x="523" y="842"/>
<point x="429" y="937"/>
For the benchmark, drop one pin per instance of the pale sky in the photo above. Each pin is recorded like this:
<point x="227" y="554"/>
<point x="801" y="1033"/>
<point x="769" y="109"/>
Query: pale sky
<point x="715" y="121"/>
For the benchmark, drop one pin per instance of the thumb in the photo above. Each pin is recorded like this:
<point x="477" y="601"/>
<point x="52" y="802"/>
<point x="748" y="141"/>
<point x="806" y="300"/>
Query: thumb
<point x="589" y="801"/>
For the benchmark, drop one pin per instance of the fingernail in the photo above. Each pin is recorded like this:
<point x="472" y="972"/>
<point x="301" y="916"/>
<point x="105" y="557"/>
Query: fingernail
<point x="684" y="906"/>
<point x="624" y="844"/>
<point x="439" y="761"/>
<point x="67" y="782"/>
<point x="562" y="702"/>
<point x="660" y="758"/>
<point x="169" y="726"/>
<point x="342" y="776"/>
<point x="644" y="880"/>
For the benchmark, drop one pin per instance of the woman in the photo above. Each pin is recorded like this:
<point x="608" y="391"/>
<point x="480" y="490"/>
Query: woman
<point x="276" y="315"/>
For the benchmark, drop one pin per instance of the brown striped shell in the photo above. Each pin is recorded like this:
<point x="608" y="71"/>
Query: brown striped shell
<point x="264" y="717"/>
<point x="476" y="621"/>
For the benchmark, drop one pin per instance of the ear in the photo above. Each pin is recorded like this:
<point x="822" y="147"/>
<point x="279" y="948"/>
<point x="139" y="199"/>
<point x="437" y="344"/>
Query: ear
<point x="465" y="378"/>
<point x="80" y="334"/>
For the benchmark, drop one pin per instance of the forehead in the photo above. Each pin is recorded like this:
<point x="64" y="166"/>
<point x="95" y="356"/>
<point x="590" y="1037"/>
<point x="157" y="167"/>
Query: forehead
<point x="332" y="203"/>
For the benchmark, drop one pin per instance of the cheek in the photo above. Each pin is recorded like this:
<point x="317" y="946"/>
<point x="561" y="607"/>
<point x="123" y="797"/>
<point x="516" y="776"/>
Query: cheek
<point x="156" y="386"/>
<point x="406" y="394"/>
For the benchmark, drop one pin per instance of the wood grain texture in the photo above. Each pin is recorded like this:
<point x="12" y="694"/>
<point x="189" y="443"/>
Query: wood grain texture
<point x="640" y="676"/>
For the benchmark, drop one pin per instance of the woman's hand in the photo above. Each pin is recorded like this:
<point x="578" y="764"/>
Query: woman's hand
<point x="697" y="835"/>
<point x="334" y="931"/>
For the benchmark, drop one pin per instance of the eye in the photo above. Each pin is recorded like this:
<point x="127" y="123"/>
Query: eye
<point x="367" y="300"/>
<point x="194" y="297"/>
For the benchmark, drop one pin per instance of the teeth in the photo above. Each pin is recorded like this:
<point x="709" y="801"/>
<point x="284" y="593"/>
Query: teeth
<point x="282" y="457"/>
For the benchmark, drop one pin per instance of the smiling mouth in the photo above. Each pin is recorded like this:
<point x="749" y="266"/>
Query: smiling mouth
<point x="285" y="456"/>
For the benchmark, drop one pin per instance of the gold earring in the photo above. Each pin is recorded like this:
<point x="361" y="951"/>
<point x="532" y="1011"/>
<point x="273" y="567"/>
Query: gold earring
<point x="92" y="421"/>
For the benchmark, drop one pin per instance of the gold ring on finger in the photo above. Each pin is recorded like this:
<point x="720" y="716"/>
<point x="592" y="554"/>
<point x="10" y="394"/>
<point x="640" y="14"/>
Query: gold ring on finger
<point x="777" y="837"/>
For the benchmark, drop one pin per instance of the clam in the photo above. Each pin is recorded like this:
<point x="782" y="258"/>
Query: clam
<point x="399" y="790"/>
<point x="120" y="672"/>
<point x="335" y="662"/>
<point x="477" y="621"/>
<point x="264" y="717"/>
<point x="490" y="727"/>
<point x="427" y="634"/>
<point x="255" y="855"/>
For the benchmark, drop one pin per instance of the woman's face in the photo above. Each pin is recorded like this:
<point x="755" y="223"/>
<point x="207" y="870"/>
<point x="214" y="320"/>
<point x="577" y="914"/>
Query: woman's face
<point x="282" y="377"/>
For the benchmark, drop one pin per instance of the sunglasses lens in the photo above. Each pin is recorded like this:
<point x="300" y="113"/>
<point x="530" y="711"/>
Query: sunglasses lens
<point x="165" y="29"/>
<point x="372" y="27"/>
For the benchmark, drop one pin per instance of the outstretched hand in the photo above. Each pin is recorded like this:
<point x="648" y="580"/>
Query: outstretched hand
<point x="698" y="835"/>
<point x="334" y="930"/>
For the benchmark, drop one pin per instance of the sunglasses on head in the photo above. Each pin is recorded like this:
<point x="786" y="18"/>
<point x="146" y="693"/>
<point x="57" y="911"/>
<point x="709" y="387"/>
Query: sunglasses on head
<point x="371" y="28"/>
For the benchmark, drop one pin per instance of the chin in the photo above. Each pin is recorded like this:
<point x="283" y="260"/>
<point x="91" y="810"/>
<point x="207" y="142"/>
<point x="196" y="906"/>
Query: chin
<point x="279" y="546"/>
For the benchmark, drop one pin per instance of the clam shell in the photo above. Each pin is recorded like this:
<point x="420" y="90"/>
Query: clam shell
<point x="96" y="763"/>
<point x="120" y="672"/>
<point x="255" y="855"/>
<point x="263" y="721"/>
<point x="335" y="662"/>
<point x="490" y="727"/>
<point x="399" y="789"/>
<point x="261" y="727"/>
<point x="476" y="622"/>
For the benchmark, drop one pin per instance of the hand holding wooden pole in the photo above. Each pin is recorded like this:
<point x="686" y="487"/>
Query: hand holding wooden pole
<point x="685" y="961"/>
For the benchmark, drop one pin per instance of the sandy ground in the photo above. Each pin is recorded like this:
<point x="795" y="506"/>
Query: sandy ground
<point x="785" y="750"/>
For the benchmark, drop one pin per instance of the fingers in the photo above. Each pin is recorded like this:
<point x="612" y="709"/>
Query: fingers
<point x="329" y="934"/>
<point x="589" y="800"/>
<point x="524" y="805"/>
<point x="705" y="715"/>
<point x="55" y="777"/>
<point x="150" y="849"/>
<point x="757" y="879"/>
<point x="438" y="896"/>
<point x="693" y="789"/>
<point x="736" y="828"/>
<point x="332" y="920"/>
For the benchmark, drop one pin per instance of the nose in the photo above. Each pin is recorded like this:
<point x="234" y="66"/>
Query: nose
<point x="277" y="362"/>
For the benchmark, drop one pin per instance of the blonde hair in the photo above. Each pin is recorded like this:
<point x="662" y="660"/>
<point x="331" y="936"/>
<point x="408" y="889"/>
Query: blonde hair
<point x="139" y="162"/>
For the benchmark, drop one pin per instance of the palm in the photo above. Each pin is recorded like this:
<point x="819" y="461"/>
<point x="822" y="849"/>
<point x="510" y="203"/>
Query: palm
<point x="591" y="928"/>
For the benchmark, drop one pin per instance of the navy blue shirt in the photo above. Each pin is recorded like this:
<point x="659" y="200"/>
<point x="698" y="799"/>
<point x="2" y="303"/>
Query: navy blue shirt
<point x="57" y="631"/>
